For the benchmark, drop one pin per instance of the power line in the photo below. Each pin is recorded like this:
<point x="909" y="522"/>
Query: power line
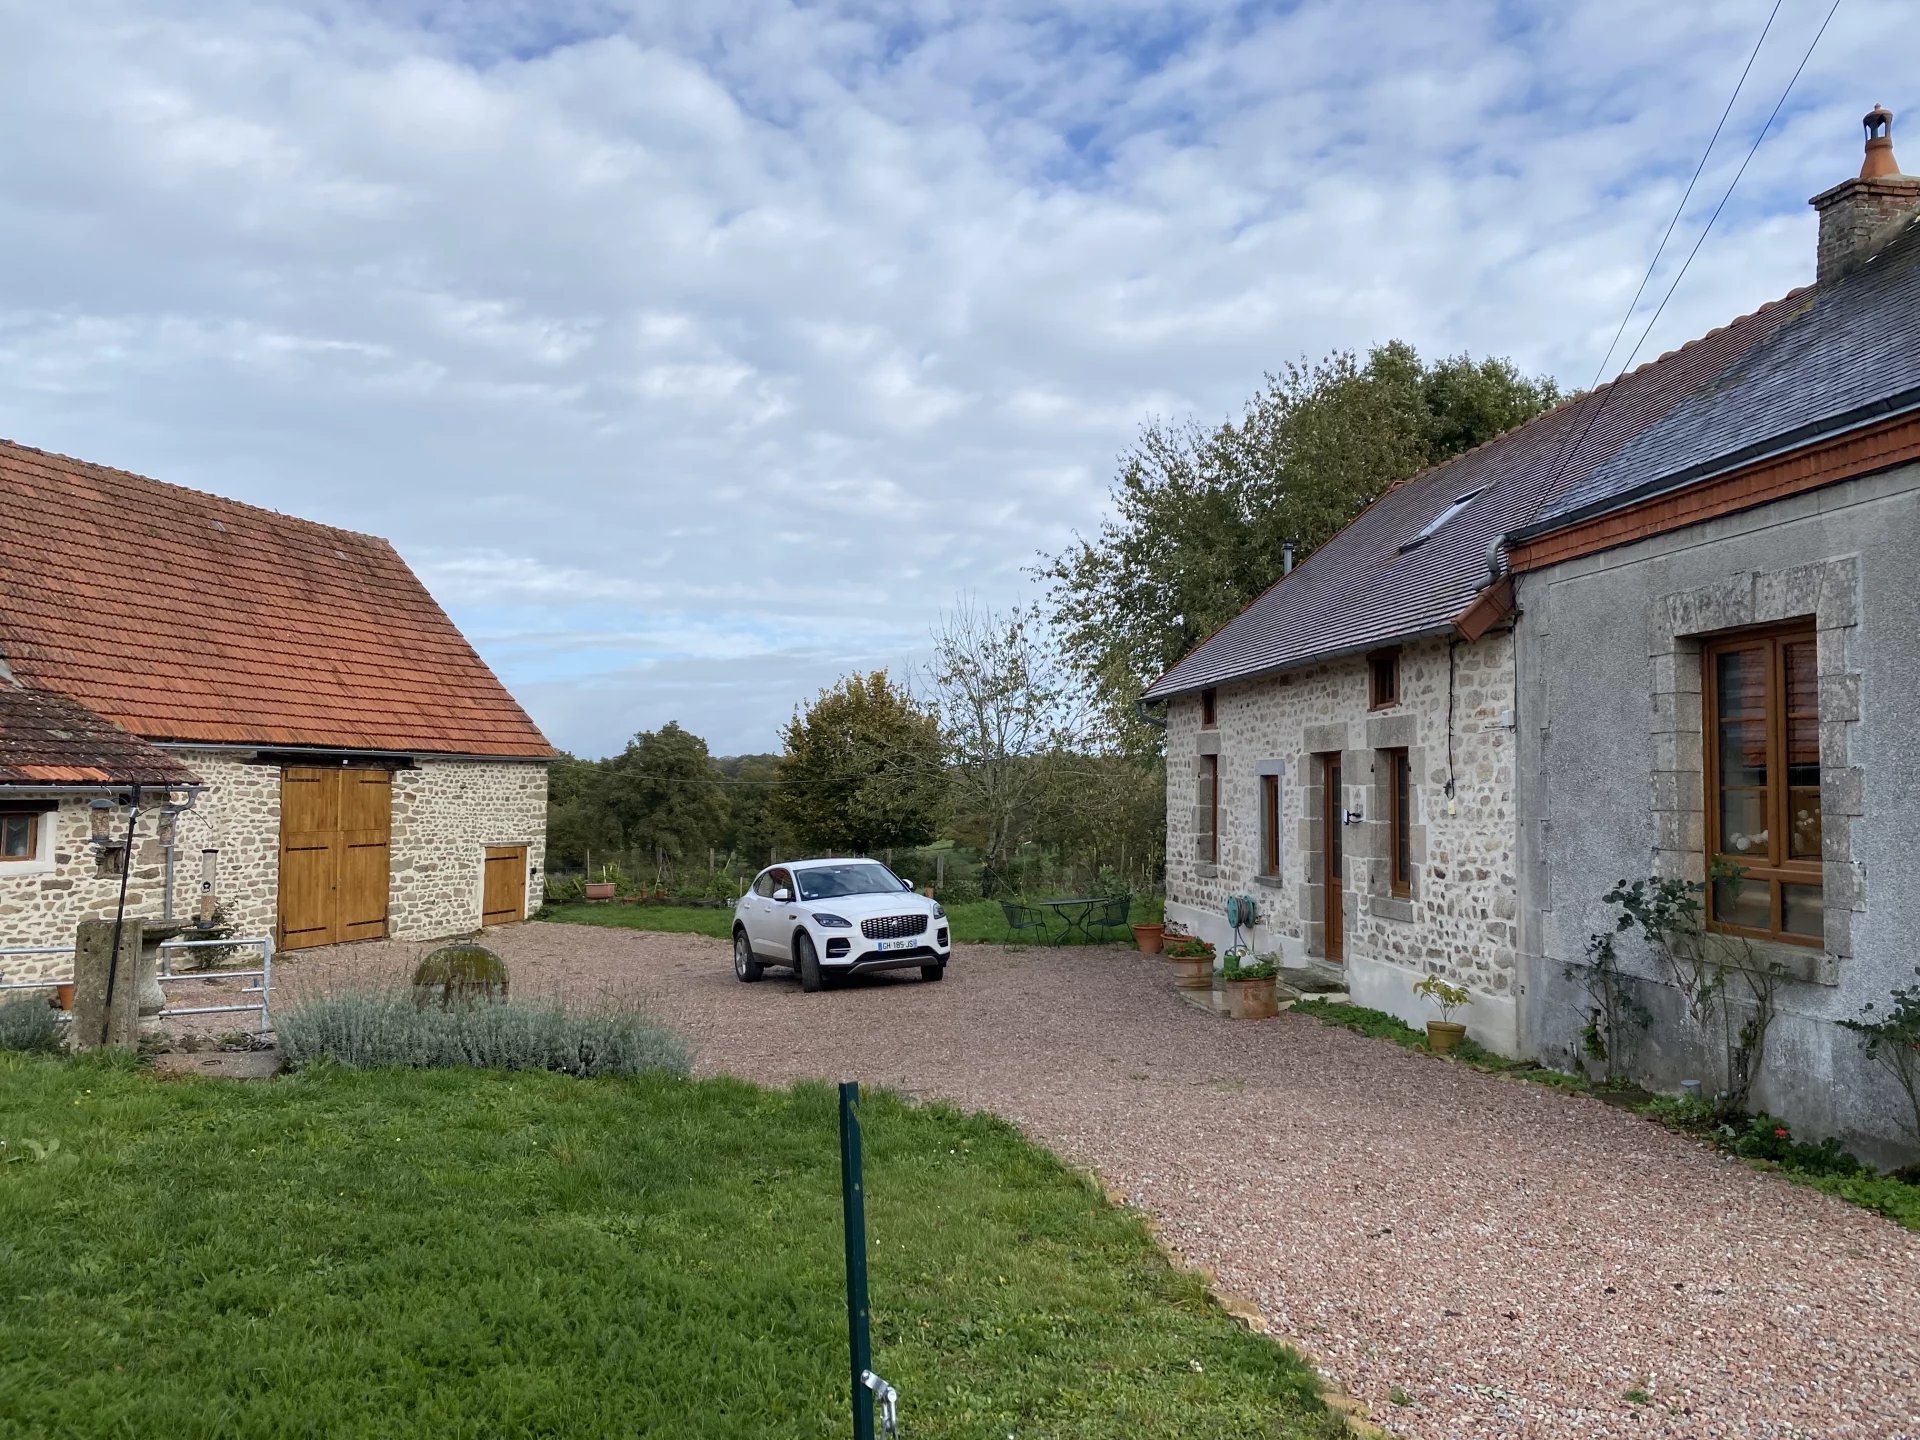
<point x="1687" y="194"/>
<point x="1566" y="457"/>
<point x="1752" y="149"/>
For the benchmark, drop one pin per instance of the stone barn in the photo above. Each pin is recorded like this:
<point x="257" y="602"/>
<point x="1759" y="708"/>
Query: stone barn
<point x="278" y="706"/>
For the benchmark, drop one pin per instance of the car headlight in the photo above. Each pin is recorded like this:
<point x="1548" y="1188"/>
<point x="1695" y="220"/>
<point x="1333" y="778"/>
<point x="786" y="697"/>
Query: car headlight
<point x="939" y="911"/>
<point x="832" y="922"/>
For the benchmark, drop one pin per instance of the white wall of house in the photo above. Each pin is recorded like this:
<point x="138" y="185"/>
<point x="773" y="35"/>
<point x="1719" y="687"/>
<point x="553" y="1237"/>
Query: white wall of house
<point x="1459" y="920"/>
<point x="446" y="813"/>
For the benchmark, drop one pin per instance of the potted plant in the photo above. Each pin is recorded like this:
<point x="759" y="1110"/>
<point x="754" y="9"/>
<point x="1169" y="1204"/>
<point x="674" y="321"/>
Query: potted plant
<point x="1192" y="960"/>
<point x="1149" y="938"/>
<point x="607" y="886"/>
<point x="1250" y="987"/>
<point x="1445" y="1033"/>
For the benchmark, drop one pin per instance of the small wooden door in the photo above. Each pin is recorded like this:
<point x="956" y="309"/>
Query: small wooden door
<point x="1332" y="821"/>
<point x="504" y="895"/>
<point x="335" y="844"/>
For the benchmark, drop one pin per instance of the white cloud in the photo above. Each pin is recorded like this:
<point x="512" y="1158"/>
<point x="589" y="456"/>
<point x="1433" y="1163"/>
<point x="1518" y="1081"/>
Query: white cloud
<point x="697" y="352"/>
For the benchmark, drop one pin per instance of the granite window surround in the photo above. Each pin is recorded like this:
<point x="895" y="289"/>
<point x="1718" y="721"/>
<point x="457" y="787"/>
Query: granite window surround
<point x="1678" y="624"/>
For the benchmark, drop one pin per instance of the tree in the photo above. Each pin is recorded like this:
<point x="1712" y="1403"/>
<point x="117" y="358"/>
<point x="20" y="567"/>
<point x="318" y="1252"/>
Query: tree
<point x="666" y="795"/>
<point x="1005" y="703"/>
<point x="751" y="832"/>
<point x="1200" y="517"/>
<point x="578" y="822"/>
<point x="862" y="769"/>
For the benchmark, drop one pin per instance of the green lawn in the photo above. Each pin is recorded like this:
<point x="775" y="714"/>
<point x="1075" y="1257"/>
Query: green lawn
<point x="461" y="1253"/>
<point x="979" y="922"/>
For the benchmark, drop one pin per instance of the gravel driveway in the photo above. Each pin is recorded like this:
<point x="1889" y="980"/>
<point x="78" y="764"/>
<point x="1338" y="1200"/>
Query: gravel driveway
<point x="1506" y="1259"/>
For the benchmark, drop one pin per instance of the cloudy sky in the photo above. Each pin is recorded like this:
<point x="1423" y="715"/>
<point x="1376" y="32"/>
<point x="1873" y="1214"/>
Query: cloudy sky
<point x="695" y="353"/>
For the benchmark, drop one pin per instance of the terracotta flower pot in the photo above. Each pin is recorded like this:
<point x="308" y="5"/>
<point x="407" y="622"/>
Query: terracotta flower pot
<point x="1149" y="938"/>
<point x="1193" y="972"/>
<point x="601" y="889"/>
<point x="1252" y="999"/>
<point x="63" y="995"/>
<point x="1443" y="1035"/>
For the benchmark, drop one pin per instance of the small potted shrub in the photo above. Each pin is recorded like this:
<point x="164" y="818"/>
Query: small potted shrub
<point x="1149" y="938"/>
<point x="1249" y="985"/>
<point x="606" y="886"/>
<point x="1192" y="961"/>
<point x="1445" y="1033"/>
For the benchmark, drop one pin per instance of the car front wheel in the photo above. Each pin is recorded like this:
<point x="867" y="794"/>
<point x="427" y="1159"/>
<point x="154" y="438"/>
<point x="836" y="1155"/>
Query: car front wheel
<point x="933" y="972"/>
<point x="745" y="967"/>
<point x="809" y="965"/>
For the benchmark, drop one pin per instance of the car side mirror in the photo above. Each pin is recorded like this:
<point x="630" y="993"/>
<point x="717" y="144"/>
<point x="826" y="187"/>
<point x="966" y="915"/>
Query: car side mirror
<point x="906" y="884"/>
<point x="783" y="895"/>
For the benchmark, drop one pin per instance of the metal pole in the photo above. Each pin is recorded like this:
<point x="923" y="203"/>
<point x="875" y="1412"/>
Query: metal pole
<point x="854" y="1212"/>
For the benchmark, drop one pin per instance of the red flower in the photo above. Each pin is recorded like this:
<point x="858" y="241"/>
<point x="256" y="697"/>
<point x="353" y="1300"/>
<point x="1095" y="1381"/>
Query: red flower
<point x="1779" y="1132"/>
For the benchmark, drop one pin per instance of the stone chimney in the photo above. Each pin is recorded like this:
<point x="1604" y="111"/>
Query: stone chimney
<point x="1859" y="216"/>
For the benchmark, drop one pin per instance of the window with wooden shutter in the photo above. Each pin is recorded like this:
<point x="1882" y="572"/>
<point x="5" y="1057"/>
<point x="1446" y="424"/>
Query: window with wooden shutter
<point x="1208" y="803"/>
<point x="1399" y="823"/>
<point x="1269" y="824"/>
<point x="1763" y="784"/>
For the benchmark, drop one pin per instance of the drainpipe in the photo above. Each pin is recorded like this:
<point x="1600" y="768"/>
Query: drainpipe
<point x="1158" y="722"/>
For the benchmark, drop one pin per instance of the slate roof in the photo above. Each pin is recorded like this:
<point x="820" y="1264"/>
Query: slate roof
<point x="1847" y="350"/>
<point x="182" y="616"/>
<point x="47" y="739"/>
<point x="1360" y="590"/>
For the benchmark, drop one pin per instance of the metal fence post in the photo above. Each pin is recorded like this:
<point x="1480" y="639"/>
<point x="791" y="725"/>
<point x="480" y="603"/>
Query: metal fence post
<point x="854" y="1213"/>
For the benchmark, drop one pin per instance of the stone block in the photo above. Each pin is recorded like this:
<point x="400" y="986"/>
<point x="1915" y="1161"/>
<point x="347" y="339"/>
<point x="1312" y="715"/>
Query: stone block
<point x="1839" y="602"/>
<point x="1787" y="594"/>
<point x="1725" y="605"/>
<point x="1839" y="697"/>
<point x="1324" y="739"/>
<point x="1842" y="791"/>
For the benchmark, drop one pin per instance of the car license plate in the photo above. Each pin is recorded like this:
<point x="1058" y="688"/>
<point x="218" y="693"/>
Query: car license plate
<point x="893" y="944"/>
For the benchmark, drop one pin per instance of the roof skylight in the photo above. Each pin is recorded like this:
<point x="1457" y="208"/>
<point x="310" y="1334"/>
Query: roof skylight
<point x="1432" y="527"/>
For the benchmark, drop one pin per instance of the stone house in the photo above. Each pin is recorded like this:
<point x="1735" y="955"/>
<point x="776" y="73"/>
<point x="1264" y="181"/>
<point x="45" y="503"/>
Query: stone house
<point x="1719" y="665"/>
<point x="1674" y="619"/>
<point x="279" y="708"/>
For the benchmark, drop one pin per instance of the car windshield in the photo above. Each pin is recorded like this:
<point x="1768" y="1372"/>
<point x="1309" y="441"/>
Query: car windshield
<point x="824" y="882"/>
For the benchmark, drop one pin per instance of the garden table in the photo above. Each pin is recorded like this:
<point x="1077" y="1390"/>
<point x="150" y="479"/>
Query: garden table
<point x="1074" y="914"/>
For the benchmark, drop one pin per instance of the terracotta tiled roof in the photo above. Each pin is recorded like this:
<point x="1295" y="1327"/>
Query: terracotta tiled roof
<point x="1374" y="583"/>
<point x="47" y="739"/>
<point x="183" y="616"/>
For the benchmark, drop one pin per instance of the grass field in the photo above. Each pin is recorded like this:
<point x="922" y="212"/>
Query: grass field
<point x="473" y="1254"/>
<point x="979" y="922"/>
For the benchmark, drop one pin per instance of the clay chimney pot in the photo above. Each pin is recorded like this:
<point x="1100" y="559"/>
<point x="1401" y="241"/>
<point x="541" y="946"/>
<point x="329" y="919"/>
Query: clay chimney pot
<point x="1879" y="162"/>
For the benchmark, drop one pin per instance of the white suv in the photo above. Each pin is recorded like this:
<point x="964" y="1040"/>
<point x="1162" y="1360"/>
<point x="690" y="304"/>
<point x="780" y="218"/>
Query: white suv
<point x="837" y="917"/>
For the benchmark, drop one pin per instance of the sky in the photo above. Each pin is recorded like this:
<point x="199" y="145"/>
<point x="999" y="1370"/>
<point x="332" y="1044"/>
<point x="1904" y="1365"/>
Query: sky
<point x="696" y="354"/>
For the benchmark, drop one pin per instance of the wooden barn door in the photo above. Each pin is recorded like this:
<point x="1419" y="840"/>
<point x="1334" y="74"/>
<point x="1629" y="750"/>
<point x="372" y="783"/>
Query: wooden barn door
<point x="335" y="826"/>
<point x="504" y="899"/>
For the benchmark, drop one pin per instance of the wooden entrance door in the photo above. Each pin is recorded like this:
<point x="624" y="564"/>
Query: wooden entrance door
<point x="335" y="837"/>
<point x="504" y="896"/>
<point x="1332" y="816"/>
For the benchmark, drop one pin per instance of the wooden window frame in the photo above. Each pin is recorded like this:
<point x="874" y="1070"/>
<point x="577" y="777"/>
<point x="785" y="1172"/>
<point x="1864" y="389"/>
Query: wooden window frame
<point x="1399" y="824"/>
<point x="33" y="819"/>
<point x="1270" y="825"/>
<point x="1776" y="868"/>
<point x="1209" y="708"/>
<point x="1383" y="678"/>
<point x="1210" y="777"/>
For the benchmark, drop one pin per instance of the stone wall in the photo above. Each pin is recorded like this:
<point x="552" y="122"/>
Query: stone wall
<point x="239" y="812"/>
<point x="1459" y="919"/>
<point x="445" y="815"/>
